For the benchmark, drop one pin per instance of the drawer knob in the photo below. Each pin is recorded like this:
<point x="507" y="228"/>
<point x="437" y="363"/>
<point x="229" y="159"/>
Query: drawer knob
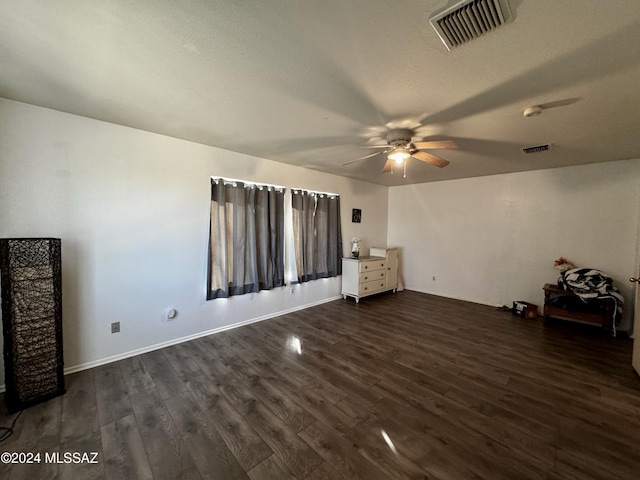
<point x="366" y="266"/>
<point x="366" y="288"/>
<point x="366" y="277"/>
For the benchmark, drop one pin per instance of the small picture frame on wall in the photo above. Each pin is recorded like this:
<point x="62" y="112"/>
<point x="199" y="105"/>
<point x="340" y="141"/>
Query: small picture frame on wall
<point x="356" y="215"/>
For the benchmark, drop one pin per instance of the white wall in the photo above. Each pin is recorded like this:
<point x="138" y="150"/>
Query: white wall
<point x="493" y="239"/>
<point x="132" y="210"/>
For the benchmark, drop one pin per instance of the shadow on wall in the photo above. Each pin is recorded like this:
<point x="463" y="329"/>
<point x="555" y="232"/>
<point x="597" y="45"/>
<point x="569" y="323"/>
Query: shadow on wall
<point x="75" y="293"/>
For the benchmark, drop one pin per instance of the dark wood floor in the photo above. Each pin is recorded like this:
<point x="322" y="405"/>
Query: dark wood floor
<point x="399" y="386"/>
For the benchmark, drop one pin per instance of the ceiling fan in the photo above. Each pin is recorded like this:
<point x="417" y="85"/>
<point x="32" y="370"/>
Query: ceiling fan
<point x="400" y="148"/>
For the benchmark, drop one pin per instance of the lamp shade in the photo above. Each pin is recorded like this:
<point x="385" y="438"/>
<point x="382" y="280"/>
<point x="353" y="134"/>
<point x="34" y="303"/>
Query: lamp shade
<point x="399" y="154"/>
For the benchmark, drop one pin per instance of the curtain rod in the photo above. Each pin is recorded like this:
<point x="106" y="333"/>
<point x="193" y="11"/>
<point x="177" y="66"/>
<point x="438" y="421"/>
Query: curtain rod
<point x="247" y="182"/>
<point x="296" y="190"/>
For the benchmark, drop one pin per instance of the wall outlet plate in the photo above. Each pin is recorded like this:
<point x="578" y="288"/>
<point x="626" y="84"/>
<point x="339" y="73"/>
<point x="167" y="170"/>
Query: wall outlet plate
<point x="115" y="327"/>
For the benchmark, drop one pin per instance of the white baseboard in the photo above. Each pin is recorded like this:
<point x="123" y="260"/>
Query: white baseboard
<point x="151" y="348"/>
<point x="452" y="297"/>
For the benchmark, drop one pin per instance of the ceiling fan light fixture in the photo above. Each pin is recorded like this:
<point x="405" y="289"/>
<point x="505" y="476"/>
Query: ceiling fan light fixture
<point x="399" y="154"/>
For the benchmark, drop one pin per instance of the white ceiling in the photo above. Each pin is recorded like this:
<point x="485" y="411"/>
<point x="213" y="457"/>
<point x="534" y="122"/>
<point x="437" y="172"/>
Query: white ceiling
<point x="309" y="83"/>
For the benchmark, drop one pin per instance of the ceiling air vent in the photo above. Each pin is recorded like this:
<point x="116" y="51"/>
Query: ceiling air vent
<point x="537" y="149"/>
<point x="469" y="19"/>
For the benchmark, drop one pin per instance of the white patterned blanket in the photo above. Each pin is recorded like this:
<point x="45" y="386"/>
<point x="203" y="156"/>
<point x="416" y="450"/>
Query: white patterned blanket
<point x="588" y="284"/>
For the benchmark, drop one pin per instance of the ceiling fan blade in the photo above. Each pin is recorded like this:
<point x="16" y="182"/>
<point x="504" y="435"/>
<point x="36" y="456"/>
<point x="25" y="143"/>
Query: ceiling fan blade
<point x="375" y="146"/>
<point x="388" y="166"/>
<point x="437" y="144"/>
<point x="429" y="158"/>
<point x="362" y="158"/>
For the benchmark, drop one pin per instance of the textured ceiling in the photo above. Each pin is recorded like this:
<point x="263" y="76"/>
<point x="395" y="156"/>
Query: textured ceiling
<point x="311" y="83"/>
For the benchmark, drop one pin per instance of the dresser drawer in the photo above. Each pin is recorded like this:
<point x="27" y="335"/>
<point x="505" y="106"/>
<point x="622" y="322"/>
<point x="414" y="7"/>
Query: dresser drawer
<point x="372" y="265"/>
<point x="370" y="287"/>
<point x="373" y="275"/>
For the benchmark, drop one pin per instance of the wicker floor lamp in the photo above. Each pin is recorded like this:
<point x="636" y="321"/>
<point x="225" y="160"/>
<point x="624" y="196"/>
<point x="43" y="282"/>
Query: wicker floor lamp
<point x="31" y="290"/>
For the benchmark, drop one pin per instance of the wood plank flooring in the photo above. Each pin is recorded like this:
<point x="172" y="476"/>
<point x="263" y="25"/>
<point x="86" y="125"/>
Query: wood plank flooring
<point x="399" y="386"/>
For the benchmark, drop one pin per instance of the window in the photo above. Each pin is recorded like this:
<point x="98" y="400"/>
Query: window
<point x="317" y="235"/>
<point x="246" y="237"/>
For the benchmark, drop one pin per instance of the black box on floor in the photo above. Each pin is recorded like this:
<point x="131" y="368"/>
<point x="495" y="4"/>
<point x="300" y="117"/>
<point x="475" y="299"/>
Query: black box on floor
<point x="525" y="309"/>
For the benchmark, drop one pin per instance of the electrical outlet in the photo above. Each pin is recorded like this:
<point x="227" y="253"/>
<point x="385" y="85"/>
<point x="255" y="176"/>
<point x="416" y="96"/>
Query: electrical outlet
<point x="434" y="278"/>
<point x="115" y="327"/>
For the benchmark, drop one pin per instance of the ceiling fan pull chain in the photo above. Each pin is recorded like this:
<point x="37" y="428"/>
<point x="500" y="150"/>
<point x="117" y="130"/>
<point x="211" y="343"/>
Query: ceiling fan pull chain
<point x="404" y="164"/>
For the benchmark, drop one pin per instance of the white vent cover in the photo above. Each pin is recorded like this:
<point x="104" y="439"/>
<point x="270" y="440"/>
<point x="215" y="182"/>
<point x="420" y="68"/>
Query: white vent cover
<point x="469" y="19"/>
<point x="537" y="149"/>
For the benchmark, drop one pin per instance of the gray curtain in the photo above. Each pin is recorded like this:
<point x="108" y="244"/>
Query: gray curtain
<point x="317" y="235"/>
<point x="246" y="251"/>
